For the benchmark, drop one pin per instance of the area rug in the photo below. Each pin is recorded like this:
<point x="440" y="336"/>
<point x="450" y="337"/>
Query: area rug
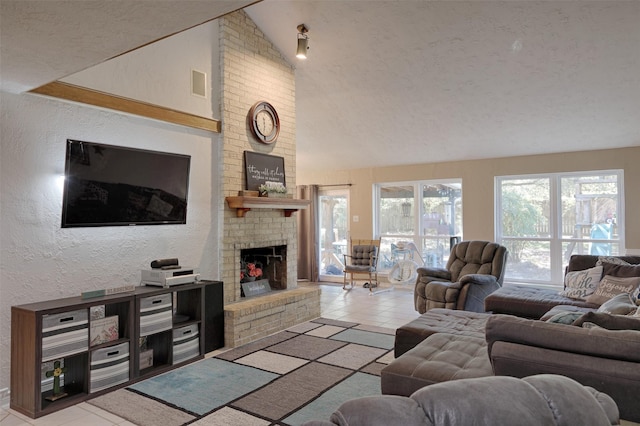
<point x="300" y="374"/>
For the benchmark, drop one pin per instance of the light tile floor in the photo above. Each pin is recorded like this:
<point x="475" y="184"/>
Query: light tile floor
<point x="388" y="307"/>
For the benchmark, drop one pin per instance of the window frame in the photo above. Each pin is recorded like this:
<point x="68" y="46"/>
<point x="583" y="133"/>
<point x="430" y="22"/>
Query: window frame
<point x="417" y="208"/>
<point x="556" y="239"/>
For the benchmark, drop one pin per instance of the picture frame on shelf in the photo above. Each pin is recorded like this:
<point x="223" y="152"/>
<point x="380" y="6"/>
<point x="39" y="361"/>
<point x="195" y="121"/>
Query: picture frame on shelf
<point x="103" y="330"/>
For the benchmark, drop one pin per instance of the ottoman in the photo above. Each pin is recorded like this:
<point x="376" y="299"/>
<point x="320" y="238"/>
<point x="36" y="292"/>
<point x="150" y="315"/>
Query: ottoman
<point x="440" y="320"/>
<point x="439" y="358"/>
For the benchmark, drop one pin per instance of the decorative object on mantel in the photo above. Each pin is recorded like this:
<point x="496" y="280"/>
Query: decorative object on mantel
<point x="246" y="193"/>
<point x="273" y="189"/>
<point x="261" y="168"/>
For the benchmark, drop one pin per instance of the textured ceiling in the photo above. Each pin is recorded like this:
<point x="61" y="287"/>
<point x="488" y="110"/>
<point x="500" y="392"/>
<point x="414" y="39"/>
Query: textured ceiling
<point x="388" y="82"/>
<point x="405" y="82"/>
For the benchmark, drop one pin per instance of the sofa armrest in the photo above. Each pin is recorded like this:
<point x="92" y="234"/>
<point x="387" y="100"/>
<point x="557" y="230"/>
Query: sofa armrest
<point x="481" y="279"/>
<point x="598" y="342"/>
<point x="438" y="273"/>
<point x="474" y="290"/>
<point x="377" y="411"/>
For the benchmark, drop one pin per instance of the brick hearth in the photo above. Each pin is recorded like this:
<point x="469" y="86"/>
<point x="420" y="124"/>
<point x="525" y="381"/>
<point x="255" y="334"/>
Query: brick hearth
<point x="258" y="317"/>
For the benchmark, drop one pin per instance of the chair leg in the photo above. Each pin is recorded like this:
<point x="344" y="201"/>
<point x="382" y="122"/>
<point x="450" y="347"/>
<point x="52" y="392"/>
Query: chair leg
<point x="373" y="279"/>
<point x="344" y="280"/>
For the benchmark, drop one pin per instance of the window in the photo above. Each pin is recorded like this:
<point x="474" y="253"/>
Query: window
<point x="417" y="221"/>
<point x="544" y="219"/>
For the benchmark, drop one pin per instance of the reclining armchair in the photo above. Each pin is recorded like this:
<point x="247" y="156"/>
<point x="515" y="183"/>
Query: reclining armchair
<point x="474" y="270"/>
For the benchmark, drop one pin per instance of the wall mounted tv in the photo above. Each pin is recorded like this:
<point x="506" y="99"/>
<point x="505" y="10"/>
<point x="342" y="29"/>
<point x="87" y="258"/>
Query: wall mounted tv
<point x="108" y="185"/>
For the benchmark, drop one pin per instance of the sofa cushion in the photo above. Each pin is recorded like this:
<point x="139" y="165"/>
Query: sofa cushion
<point x="621" y="304"/>
<point x="475" y="257"/>
<point x="611" y="259"/>
<point x="611" y="286"/>
<point x="580" y="284"/>
<point x="564" y="308"/>
<point x="565" y="317"/>
<point x="362" y="254"/>
<point x="629" y="270"/>
<point x="608" y="321"/>
<point x="623" y="271"/>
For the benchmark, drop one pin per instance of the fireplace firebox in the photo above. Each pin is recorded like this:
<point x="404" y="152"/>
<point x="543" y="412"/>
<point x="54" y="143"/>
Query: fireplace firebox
<point x="266" y="264"/>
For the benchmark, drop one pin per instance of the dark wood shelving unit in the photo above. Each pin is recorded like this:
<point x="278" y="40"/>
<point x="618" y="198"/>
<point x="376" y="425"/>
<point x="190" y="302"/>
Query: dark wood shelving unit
<point x="243" y="204"/>
<point x="199" y="307"/>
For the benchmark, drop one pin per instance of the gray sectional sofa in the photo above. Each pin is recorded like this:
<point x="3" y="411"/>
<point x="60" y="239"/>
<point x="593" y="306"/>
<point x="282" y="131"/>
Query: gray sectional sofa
<point x="606" y="357"/>
<point x="445" y="345"/>
<point x="532" y="302"/>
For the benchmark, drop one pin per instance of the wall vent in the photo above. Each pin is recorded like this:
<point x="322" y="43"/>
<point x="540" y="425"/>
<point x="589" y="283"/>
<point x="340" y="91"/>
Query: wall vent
<point x="198" y="83"/>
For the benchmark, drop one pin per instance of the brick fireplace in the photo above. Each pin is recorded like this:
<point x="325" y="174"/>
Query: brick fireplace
<point x="251" y="318"/>
<point x="253" y="70"/>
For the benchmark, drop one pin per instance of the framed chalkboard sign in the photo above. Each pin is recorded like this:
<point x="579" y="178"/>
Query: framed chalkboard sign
<point x="260" y="168"/>
<point x="253" y="288"/>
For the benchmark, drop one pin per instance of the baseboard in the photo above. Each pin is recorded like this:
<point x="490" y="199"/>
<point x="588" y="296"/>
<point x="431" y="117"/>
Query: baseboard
<point x="4" y="398"/>
<point x="632" y="252"/>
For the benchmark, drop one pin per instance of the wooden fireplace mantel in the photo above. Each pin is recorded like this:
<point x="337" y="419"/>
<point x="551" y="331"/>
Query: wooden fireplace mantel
<point x="288" y="205"/>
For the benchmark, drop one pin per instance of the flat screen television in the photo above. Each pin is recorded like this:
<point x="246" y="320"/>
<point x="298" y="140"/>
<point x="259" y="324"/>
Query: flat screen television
<point x="108" y="185"/>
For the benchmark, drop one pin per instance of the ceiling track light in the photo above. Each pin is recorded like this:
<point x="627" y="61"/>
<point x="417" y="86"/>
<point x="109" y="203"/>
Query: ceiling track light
<point x="303" y="42"/>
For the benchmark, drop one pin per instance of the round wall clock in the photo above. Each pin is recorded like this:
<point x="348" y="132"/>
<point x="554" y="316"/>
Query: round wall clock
<point x="264" y="122"/>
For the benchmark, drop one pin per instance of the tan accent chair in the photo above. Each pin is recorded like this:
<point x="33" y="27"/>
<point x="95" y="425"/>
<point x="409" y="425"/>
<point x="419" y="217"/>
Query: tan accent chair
<point x="362" y="262"/>
<point x="474" y="270"/>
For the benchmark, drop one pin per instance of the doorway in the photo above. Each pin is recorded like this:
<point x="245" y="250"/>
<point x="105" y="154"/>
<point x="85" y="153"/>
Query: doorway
<point x="333" y="225"/>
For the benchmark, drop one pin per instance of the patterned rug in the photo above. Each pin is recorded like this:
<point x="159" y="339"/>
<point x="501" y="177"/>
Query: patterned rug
<point x="299" y="374"/>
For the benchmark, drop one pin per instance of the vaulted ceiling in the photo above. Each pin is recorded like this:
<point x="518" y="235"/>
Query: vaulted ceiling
<point x="389" y="82"/>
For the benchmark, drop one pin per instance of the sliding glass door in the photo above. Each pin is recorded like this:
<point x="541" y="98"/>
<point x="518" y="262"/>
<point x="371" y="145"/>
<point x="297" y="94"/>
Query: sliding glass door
<point x="333" y="225"/>
<point x="418" y="221"/>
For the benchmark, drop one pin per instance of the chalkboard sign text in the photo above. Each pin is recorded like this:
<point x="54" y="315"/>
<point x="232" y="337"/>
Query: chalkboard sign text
<point x="261" y="168"/>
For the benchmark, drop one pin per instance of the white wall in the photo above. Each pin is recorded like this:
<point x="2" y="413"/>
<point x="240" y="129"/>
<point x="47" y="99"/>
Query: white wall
<point x="160" y="73"/>
<point x="41" y="261"/>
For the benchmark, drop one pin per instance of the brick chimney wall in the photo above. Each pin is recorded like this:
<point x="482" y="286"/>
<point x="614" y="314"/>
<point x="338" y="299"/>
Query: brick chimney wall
<point x="253" y="70"/>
